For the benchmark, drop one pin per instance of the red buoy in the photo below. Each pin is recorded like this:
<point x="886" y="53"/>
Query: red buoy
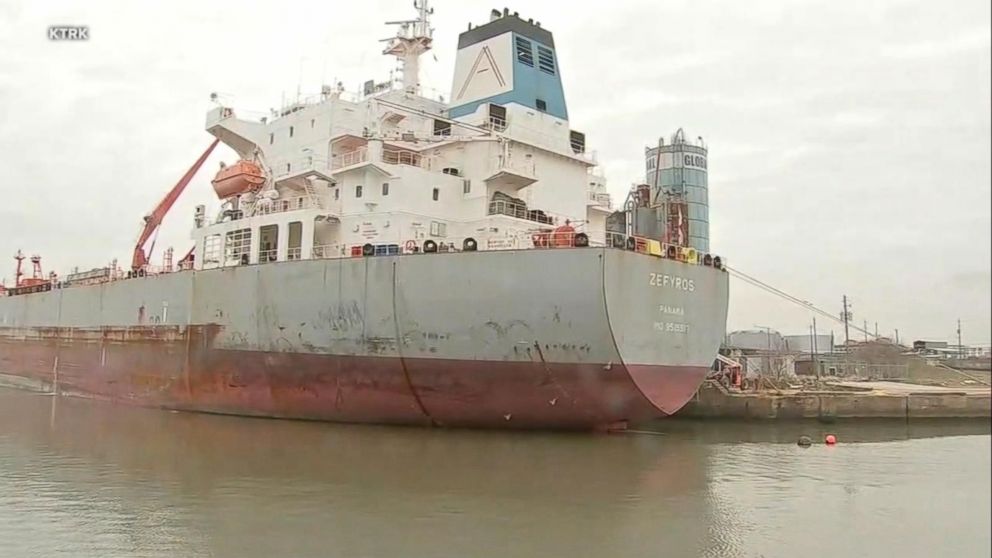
<point x="830" y="440"/>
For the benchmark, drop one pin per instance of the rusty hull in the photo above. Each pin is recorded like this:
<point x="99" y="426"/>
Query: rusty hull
<point x="180" y="368"/>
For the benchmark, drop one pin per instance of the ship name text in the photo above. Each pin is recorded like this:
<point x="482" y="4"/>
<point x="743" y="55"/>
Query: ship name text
<point x="671" y="281"/>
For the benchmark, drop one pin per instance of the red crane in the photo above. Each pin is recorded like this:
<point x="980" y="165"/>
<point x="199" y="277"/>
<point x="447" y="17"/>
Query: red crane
<point x="154" y="219"/>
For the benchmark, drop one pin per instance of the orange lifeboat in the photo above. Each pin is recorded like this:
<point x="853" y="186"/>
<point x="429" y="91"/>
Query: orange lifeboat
<point x="239" y="178"/>
<point x="559" y="237"/>
<point x="563" y="236"/>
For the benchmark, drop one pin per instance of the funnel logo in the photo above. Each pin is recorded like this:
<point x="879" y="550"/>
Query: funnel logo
<point x="68" y="33"/>
<point x="485" y="65"/>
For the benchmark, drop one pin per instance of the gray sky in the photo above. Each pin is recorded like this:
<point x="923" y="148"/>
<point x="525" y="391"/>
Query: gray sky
<point x="849" y="141"/>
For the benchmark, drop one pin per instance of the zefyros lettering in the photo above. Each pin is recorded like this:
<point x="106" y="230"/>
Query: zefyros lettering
<point x="671" y="281"/>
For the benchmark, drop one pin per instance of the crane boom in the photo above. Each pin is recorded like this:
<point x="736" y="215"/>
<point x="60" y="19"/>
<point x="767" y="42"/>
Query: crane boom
<point x="154" y="219"/>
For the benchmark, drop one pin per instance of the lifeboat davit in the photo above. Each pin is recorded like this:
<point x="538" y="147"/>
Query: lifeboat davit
<point x="240" y="178"/>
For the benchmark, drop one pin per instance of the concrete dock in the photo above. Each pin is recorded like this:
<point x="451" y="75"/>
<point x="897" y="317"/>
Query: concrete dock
<point x="841" y="400"/>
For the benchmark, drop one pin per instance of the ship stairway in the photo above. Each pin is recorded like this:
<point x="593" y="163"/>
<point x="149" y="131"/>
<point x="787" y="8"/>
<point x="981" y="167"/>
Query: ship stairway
<point x="314" y="199"/>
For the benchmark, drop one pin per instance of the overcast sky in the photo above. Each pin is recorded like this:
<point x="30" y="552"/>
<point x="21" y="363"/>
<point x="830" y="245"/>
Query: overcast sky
<point x="849" y="140"/>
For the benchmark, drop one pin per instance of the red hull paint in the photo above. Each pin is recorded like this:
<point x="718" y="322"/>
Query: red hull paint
<point x="179" y="368"/>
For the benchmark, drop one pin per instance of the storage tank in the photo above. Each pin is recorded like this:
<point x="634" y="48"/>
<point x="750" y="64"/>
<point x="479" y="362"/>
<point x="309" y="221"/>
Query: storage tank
<point x="676" y="172"/>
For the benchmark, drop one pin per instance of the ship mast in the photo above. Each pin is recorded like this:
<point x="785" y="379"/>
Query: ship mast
<point x="17" y="276"/>
<point x="413" y="38"/>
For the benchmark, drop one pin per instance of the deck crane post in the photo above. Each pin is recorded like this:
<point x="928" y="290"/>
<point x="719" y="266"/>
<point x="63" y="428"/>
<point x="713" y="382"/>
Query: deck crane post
<point x="154" y="219"/>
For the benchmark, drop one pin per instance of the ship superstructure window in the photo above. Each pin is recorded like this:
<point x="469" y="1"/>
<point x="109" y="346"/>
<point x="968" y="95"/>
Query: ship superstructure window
<point x="358" y="191"/>
<point x="466" y="186"/>
<point x="295" y="244"/>
<point x="524" y="53"/>
<point x="290" y="131"/>
<point x="442" y="128"/>
<point x="577" y="141"/>
<point x="385" y="188"/>
<point x="312" y="122"/>
<point x="497" y="117"/>
<point x="211" y="249"/>
<point x="337" y="194"/>
<point x="541" y="105"/>
<point x="272" y="139"/>
<point x="436" y="194"/>
<point x="289" y="167"/>
<point x="237" y="245"/>
<point x="439" y="229"/>
<point x="545" y="60"/>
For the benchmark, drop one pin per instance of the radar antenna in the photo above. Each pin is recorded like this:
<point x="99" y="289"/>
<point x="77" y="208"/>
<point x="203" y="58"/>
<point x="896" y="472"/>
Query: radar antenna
<point x="413" y="38"/>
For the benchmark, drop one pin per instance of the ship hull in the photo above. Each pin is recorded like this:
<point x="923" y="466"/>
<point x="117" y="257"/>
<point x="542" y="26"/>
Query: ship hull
<point x="570" y="338"/>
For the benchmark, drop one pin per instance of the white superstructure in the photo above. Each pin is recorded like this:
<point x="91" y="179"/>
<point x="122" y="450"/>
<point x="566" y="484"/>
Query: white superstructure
<point x="389" y="170"/>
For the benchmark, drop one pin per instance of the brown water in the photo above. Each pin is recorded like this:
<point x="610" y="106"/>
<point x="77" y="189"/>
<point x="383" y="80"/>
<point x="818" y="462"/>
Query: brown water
<point x="81" y="478"/>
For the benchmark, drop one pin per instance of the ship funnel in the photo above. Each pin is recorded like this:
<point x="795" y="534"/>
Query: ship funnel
<point x="507" y="61"/>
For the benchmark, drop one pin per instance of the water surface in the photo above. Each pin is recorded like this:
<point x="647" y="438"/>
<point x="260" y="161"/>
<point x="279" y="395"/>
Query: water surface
<point x="83" y="478"/>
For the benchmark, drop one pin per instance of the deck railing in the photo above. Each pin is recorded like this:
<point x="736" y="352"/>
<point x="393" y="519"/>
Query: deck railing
<point x="389" y="156"/>
<point x="496" y="124"/>
<point x="601" y="199"/>
<point x="518" y="210"/>
<point x="301" y="165"/>
<point x="349" y="158"/>
<point x="538" y="239"/>
<point x="265" y="256"/>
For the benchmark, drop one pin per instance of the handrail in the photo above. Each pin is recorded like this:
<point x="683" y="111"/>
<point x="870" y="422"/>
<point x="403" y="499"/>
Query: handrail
<point x="519" y="210"/>
<point x="601" y="198"/>
<point x="302" y="164"/>
<point x="350" y="158"/>
<point x="495" y="123"/>
<point x="529" y="240"/>
<point x="283" y="205"/>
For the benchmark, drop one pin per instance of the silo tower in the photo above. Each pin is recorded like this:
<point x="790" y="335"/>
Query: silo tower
<point x="676" y="172"/>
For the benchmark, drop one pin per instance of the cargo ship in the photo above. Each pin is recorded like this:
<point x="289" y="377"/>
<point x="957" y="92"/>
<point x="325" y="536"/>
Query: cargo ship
<point x="386" y="256"/>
